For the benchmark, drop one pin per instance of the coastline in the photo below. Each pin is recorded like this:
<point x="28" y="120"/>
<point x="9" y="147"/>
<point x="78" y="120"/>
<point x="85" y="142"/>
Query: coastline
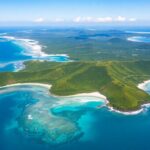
<point x="137" y="32"/>
<point x="136" y="112"/>
<point x="142" y="85"/>
<point x="139" y="39"/>
<point x="142" y="107"/>
<point x="134" y="39"/>
<point x="30" y="84"/>
<point x="17" y="65"/>
<point x="92" y="94"/>
<point x="48" y="86"/>
<point x="32" y="48"/>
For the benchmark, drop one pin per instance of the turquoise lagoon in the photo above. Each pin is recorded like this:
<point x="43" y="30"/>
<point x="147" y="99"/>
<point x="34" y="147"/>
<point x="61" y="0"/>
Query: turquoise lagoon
<point x="30" y="117"/>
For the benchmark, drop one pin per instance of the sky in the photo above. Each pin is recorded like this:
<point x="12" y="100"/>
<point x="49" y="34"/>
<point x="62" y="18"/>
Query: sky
<point x="42" y="12"/>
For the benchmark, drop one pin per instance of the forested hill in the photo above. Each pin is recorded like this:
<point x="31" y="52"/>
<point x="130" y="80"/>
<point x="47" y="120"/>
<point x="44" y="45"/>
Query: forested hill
<point x="116" y="80"/>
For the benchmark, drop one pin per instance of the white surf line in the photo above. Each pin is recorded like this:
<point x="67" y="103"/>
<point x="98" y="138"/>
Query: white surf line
<point x="134" y="39"/>
<point x="138" y="32"/>
<point x="18" y="65"/>
<point x="142" y="85"/>
<point x="142" y="109"/>
<point x="92" y="94"/>
<point x="32" y="47"/>
<point x="136" y="112"/>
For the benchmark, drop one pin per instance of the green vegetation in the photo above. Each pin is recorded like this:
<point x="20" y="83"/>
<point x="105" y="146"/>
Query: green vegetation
<point x="89" y="45"/>
<point x="116" y="80"/>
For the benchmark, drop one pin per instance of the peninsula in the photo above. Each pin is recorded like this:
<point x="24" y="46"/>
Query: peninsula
<point x="117" y="80"/>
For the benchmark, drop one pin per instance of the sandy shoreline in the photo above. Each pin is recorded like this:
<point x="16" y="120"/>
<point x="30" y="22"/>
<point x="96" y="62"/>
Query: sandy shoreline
<point x="33" y="48"/>
<point x="30" y="84"/>
<point x="142" y="85"/>
<point x="92" y="94"/>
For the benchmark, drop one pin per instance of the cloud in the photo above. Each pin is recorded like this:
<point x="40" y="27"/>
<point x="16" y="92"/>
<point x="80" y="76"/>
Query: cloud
<point x="59" y="20"/>
<point x="77" y="19"/>
<point x="91" y="19"/>
<point x="39" y="20"/>
<point x="132" y="19"/>
<point x="121" y="19"/>
<point x="104" y="19"/>
<point x="88" y="19"/>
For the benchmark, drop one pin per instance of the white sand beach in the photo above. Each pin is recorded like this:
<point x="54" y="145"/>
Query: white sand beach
<point x="97" y="95"/>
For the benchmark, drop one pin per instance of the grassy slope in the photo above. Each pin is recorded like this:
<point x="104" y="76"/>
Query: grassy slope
<point x="116" y="80"/>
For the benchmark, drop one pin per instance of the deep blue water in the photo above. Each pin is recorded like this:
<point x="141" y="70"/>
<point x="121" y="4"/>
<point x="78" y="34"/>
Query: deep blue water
<point x="100" y="128"/>
<point x="81" y="126"/>
<point x="10" y="51"/>
<point x="12" y="55"/>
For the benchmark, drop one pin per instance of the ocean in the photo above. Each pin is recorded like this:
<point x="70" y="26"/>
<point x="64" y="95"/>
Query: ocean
<point x="13" y="52"/>
<point x="30" y="118"/>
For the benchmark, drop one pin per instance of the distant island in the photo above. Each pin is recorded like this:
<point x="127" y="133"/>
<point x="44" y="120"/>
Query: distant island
<point x="117" y="80"/>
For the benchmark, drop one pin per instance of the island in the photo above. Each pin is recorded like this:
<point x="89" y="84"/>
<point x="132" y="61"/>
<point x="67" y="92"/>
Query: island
<point x="117" y="80"/>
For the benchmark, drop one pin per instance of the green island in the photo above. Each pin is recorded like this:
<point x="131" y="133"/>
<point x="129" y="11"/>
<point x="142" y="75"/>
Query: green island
<point x="117" y="80"/>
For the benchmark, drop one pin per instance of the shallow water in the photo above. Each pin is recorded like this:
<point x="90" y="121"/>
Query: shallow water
<point x="31" y="118"/>
<point x="31" y="114"/>
<point x="14" y="52"/>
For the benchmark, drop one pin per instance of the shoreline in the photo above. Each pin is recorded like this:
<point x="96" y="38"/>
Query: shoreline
<point x="139" y="39"/>
<point x="34" y="46"/>
<point x="17" y="65"/>
<point x="30" y="84"/>
<point x="134" y="39"/>
<point x="143" y="84"/>
<point x="136" y="112"/>
<point x="142" y="107"/>
<point x="34" y="50"/>
<point x="92" y="94"/>
<point x="137" y="32"/>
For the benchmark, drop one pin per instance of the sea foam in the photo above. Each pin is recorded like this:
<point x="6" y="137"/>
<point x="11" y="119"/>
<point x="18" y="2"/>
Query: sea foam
<point x="34" y="50"/>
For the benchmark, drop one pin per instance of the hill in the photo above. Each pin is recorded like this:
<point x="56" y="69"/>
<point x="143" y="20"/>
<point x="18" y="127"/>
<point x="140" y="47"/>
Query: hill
<point x="116" y="80"/>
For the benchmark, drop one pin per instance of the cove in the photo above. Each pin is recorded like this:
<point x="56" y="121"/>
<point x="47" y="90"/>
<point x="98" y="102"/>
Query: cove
<point x="14" y="51"/>
<point x="31" y="117"/>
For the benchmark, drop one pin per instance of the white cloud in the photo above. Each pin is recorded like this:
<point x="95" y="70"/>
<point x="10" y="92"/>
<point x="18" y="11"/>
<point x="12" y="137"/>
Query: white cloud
<point x="77" y="19"/>
<point x="80" y="19"/>
<point x="121" y="19"/>
<point x="59" y="20"/>
<point x="104" y="19"/>
<point x="132" y="19"/>
<point x="91" y="19"/>
<point x="39" y="20"/>
<point x="88" y="19"/>
<point x="83" y="19"/>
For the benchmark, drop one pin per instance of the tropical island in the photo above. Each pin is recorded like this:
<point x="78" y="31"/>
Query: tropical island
<point x="74" y="75"/>
<point x="117" y="80"/>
